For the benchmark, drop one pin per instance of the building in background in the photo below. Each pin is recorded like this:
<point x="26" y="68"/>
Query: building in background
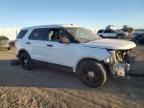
<point x="11" y="33"/>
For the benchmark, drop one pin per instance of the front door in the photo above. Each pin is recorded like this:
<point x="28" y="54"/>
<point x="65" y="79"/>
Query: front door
<point x="59" y="52"/>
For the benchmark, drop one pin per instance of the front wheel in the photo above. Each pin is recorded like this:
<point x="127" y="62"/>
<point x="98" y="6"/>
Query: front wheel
<point x="92" y="74"/>
<point x="26" y="61"/>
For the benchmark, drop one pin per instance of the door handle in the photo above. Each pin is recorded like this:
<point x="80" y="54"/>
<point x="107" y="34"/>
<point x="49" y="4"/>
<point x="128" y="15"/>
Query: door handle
<point x="48" y="45"/>
<point x="28" y="43"/>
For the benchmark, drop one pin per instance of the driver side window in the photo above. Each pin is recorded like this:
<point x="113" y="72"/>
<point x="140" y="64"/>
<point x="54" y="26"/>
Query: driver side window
<point x="64" y="37"/>
<point x="58" y="35"/>
<point x="53" y="35"/>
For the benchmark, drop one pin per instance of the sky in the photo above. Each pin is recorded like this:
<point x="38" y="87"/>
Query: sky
<point x="89" y="13"/>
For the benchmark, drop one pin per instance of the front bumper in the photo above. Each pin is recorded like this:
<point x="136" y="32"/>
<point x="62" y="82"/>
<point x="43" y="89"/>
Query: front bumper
<point x="122" y="68"/>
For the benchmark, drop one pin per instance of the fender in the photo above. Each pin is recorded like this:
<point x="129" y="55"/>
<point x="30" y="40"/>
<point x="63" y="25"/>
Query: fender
<point x="81" y="60"/>
<point x="21" y="51"/>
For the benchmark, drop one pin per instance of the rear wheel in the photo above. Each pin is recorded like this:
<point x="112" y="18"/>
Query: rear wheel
<point x="9" y="48"/>
<point x="26" y="61"/>
<point x="92" y="74"/>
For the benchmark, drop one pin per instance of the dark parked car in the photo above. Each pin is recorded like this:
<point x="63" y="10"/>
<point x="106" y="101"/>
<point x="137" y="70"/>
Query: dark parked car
<point x="5" y="42"/>
<point x="138" y="38"/>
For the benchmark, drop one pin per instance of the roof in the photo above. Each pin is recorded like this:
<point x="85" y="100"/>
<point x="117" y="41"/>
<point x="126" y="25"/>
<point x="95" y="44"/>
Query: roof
<point x="52" y="26"/>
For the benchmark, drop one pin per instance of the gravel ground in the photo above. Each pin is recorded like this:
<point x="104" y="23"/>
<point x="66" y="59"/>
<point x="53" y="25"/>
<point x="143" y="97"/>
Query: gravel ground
<point x="45" y="87"/>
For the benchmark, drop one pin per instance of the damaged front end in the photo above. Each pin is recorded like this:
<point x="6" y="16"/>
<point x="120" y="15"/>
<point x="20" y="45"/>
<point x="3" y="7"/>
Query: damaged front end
<point x="121" y="61"/>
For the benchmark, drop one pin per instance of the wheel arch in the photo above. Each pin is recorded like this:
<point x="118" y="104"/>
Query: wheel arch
<point x="84" y="60"/>
<point x="101" y="36"/>
<point x="121" y="35"/>
<point x="76" y="68"/>
<point x="22" y="51"/>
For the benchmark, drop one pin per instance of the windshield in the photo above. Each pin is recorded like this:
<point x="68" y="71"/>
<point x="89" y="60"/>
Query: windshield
<point x="82" y="34"/>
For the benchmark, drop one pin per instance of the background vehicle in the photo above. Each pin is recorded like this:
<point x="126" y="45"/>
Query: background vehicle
<point x="5" y="42"/>
<point x="74" y="48"/>
<point x="109" y="33"/>
<point x="138" y="38"/>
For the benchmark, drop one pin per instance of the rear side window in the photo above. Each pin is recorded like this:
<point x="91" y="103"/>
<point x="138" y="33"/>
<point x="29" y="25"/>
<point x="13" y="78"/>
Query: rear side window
<point x="100" y="31"/>
<point x="22" y="34"/>
<point x="108" y="31"/>
<point x="39" y="34"/>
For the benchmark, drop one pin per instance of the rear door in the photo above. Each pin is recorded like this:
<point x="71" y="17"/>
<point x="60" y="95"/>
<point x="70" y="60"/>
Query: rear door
<point x="37" y="44"/>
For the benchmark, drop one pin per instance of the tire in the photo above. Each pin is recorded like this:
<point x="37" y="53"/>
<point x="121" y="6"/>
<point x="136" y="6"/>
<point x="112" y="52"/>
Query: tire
<point x="137" y="41"/>
<point x="26" y="61"/>
<point x="9" y="48"/>
<point x="92" y="74"/>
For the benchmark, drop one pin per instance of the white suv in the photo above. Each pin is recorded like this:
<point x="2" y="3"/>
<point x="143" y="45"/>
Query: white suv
<point x="109" y="33"/>
<point x="76" y="48"/>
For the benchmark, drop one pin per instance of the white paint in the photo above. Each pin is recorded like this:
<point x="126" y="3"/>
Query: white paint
<point x="111" y="44"/>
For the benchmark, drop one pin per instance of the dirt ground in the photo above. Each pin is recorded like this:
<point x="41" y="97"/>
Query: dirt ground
<point x="45" y="87"/>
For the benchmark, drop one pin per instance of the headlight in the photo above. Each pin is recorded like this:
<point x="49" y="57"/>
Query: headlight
<point x="112" y="57"/>
<point x="111" y="52"/>
<point x="107" y="60"/>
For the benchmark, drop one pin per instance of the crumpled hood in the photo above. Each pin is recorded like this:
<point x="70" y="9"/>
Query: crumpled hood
<point x="111" y="44"/>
